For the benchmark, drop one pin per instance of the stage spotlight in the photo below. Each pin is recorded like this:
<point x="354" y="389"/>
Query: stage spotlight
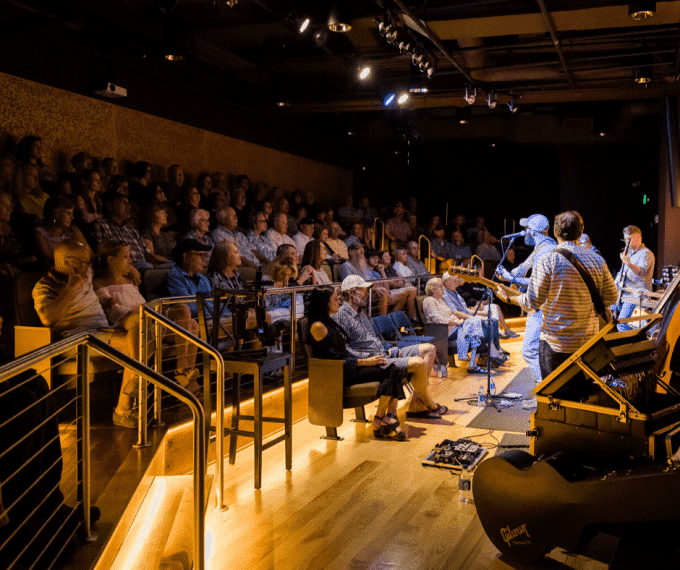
<point x="405" y="45"/>
<point x="304" y="25"/>
<point x="512" y="105"/>
<point x="418" y="56"/>
<point x="641" y="9"/>
<point x="470" y="97"/>
<point x="339" y="19"/>
<point x="492" y="100"/>
<point x="389" y="100"/>
<point x="403" y="97"/>
<point x="364" y="72"/>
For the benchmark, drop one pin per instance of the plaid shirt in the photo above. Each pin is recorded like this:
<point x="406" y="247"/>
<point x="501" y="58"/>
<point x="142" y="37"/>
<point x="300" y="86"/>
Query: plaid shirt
<point x="106" y="228"/>
<point x="362" y="341"/>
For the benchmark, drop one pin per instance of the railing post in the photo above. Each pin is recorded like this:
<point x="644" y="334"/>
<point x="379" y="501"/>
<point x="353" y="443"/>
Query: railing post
<point x="293" y="311"/>
<point x="142" y="439"/>
<point x="83" y="430"/>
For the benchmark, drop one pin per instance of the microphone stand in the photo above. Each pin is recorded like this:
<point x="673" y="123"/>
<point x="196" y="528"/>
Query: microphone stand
<point x="489" y="399"/>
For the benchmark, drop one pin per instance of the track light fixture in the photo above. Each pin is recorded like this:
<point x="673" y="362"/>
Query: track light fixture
<point x="492" y="100"/>
<point x="470" y="97"/>
<point x="364" y="72"/>
<point x="403" y="97"/>
<point x="389" y="99"/>
<point x="464" y="115"/>
<point x="304" y="25"/>
<point x="405" y="45"/>
<point x="512" y="105"/>
<point x="418" y="56"/>
<point x="641" y="9"/>
<point x="643" y="74"/>
<point x="339" y="19"/>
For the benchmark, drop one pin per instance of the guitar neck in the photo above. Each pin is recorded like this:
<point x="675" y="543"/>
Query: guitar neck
<point x="475" y="278"/>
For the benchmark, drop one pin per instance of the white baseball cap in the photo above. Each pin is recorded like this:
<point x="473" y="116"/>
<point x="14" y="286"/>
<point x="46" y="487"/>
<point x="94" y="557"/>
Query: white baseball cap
<point x="354" y="281"/>
<point x="536" y="222"/>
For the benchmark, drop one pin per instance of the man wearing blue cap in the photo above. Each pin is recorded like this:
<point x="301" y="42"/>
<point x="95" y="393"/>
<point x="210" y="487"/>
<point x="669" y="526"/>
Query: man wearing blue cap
<point x="536" y="228"/>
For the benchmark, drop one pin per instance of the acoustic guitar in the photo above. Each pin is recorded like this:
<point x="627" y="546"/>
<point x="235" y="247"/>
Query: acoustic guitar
<point x="471" y="276"/>
<point x="529" y="507"/>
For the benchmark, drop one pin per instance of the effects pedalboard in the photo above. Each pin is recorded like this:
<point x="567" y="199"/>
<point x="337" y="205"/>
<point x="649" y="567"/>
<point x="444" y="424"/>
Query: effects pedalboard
<point x="455" y="455"/>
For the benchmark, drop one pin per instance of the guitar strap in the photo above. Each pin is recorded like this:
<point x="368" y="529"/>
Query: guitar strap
<point x="600" y="309"/>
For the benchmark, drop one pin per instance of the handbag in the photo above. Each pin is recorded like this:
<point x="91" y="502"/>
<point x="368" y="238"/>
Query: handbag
<point x="603" y="312"/>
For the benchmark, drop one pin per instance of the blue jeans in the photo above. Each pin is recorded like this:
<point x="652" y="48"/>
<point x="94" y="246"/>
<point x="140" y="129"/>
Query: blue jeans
<point x="625" y="312"/>
<point x="532" y="337"/>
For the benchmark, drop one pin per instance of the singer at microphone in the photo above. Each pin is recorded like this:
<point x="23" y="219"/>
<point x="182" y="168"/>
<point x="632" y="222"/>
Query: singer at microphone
<point x="637" y="270"/>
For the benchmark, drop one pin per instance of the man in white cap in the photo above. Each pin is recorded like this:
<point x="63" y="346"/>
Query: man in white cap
<point x="536" y="228"/>
<point x="362" y="342"/>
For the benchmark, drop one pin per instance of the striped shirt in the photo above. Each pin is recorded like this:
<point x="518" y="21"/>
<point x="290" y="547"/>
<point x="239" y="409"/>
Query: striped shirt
<point x="569" y="317"/>
<point x="644" y="259"/>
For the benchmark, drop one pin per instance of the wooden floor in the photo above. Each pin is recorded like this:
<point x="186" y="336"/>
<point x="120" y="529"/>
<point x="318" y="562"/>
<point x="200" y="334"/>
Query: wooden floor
<point x="363" y="503"/>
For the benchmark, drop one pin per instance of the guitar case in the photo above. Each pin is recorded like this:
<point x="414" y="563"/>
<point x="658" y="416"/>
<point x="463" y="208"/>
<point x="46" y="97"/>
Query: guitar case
<point x="528" y="507"/>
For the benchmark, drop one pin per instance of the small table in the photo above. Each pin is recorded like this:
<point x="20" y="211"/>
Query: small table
<point x="258" y="365"/>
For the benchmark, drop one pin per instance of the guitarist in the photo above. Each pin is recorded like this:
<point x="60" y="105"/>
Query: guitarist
<point x="557" y="287"/>
<point x="637" y="269"/>
<point x="536" y="228"/>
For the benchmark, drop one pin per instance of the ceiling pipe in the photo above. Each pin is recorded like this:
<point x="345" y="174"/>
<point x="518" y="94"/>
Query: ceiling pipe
<point x="430" y="35"/>
<point x="553" y="34"/>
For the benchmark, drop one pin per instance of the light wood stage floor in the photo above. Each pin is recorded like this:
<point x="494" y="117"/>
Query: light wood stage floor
<point x="364" y="504"/>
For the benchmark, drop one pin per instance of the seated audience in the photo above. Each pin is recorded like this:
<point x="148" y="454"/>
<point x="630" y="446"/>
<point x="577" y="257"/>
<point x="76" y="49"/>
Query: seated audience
<point x="334" y="242"/>
<point x="435" y="222"/>
<point x="356" y="234"/>
<point x="396" y="228"/>
<point x="224" y="260"/>
<point x="370" y="240"/>
<point x="31" y="196"/>
<point x="13" y="257"/>
<point x="115" y="224"/>
<point x="155" y="196"/>
<point x="277" y="235"/>
<point x="204" y="187"/>
<point x="227" y="222"/>
<point x="238" y="202"/>
<point x="416" y="266"/>
<point x="173" y="187"/>
<point x="190" y="199"/>
<point x="361" y="342"/>
<point x="199" y="227"/>
<point x="57" y="227"/>
<point x="89" y="207"/>
<point x="296" y="203"/>
<point x="441" y="249"/>
<point x="400" y="296"/>
<point x="459" y="249"/>
<point x="66" y="303"/>
<point x="158" y="242"/>
<point x="460" y="308"/>
<point x="348" y="214"/>
<point x="109" y="168"/>
<point x="186" y="278"/>
<point x="304" y="235"/>
<point x="260" y="246"/>
<point x="464" y="334"/>
<point x="368" y="213"/>
<point x="401" y="262"/>
<point x="117" y="287"/>
<point x="356" y="264"/>
<point x="314" y="257"/>
<point x="328" y="341"/>
<point x="485" y="250"/>
<point x="282" y="272"/>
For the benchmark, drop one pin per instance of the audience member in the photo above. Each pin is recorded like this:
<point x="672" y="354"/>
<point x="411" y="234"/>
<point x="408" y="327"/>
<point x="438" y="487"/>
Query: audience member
<point x="348" y="214"/>
<point x="585" y="243"/>
<point x="173" y="187"/>
<point x="367" y="211"/>
<point x="114" y="224"/>
<point x="414" y="263"/>
<point x="31" y="196"/>
<point x="277" y="235"/>
<point x="400" y="296"/>
<point x="362" y="342"/>
<point x="13" y="257"/>
<point x="396" y="228"/>
<point x="204" y="187"/>
<point x="227" y="223"/>
<point x="186" y="277"/>
<point x="336" y="245"/>
<point x="314" y="257"/>
<point x="57" y="227"/>
<point x="238" y="202"/>
<point x="261" y="247"/>
<point x="190" y="199"/>
<point x="224" y="260"/>
<point x="158" y="242"/>
<point x="219" y="184"/>
<point x="304" y="235"/>
<point x="485" y="250"/>
<point x="199" y="227"/>
<point x="459" y="249"/>
<point x="401" y="262"/>
<point x="356" y="234"/>
<point x="109" y="168"/>
<point x="7" y="173"/>
<point x="89" y="208"/>
<point x="328" y="340"/>
<point x="66" y="303"/>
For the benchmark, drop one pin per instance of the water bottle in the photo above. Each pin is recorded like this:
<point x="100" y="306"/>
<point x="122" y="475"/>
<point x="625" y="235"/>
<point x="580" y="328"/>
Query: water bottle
<point x="481" y="397"/>
<point x="465" y="485"/>
<point x="492" y="388"/>
<point x="440" y="373"/>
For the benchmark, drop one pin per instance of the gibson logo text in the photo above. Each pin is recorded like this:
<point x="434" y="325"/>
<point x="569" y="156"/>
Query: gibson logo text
<point x="508" y="534"/>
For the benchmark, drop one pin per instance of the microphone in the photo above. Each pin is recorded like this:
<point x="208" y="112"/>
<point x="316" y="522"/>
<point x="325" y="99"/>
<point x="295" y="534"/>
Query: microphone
<point x="518" y="234"/>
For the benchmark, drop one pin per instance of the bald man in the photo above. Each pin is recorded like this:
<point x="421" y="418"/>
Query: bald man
<point x="66" y="303"/>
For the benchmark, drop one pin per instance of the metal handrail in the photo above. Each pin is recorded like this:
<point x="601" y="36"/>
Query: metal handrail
<point x="83" y="342"/>
<point x="429" y="252"/>
<point x="382" y="233"/>
<point x="147" y="311"/>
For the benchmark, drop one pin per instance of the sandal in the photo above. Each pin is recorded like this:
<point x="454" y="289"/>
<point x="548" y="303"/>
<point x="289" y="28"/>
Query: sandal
<point x="440" y="410"/>
<point x="426" y="414"/>
<point x="476" y="370"/>
<point x="393" y="427"/>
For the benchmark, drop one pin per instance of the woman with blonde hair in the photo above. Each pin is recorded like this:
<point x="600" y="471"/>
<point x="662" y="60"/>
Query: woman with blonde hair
<point x="117" y="287"/>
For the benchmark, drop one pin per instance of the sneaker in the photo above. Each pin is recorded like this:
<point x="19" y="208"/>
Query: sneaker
<point x="129" y="419"/>
<point x="510" y="334"/>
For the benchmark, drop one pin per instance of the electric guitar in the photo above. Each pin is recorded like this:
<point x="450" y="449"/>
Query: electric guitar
<point x="529" y="507"/>
<point x="471" y="276"/>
